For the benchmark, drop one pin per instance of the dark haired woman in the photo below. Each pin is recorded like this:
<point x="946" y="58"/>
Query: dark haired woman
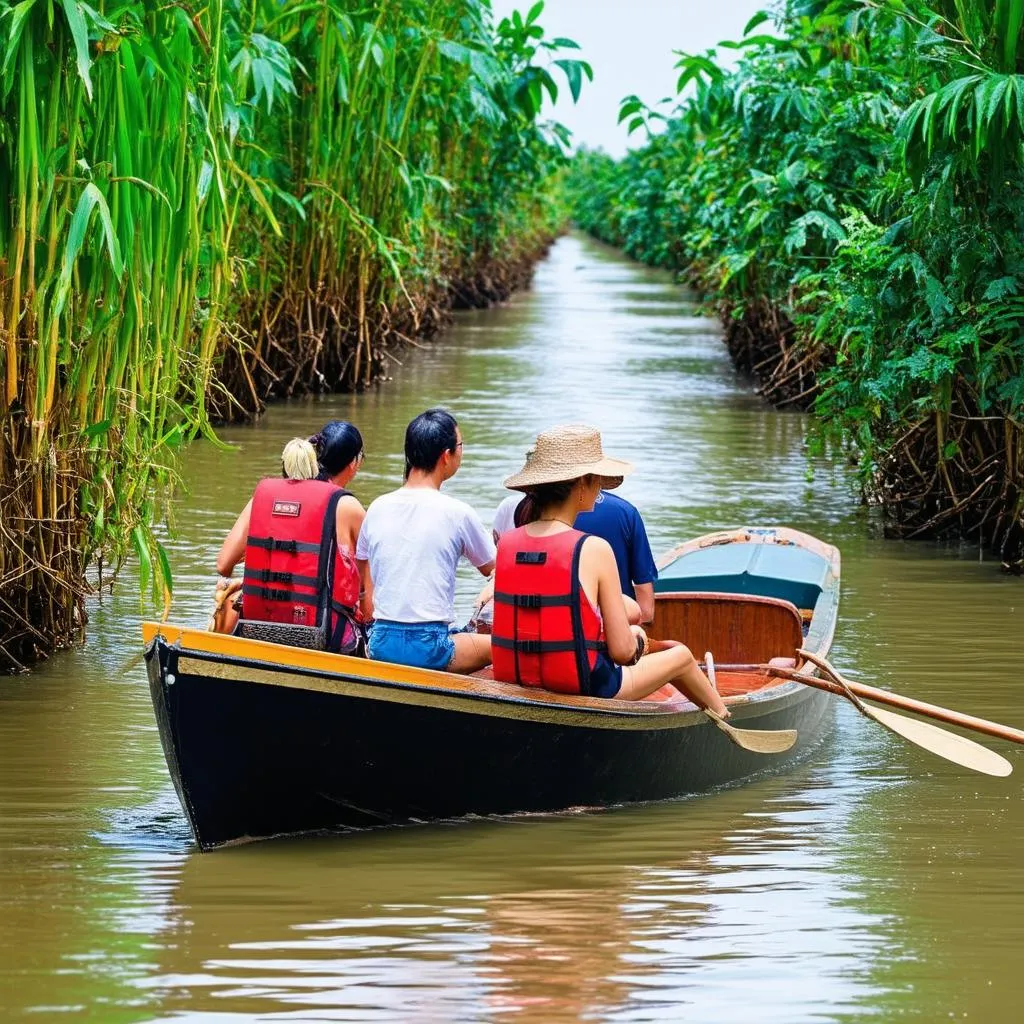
<point x="559" y="617"/>
<point x="290" y="532"/>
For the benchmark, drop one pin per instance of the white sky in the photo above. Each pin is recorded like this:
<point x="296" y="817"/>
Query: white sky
<point x="629" y="44"/>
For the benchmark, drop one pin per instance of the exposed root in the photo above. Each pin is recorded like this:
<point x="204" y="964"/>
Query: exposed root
<point x="957" y="475"/>
<point x="763" y="342"/>
<point x="310" y="343"/>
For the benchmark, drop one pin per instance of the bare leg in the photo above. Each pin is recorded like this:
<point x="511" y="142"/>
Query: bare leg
<point x="633" y="613"/>
<point x="675" y="665"/>
<point x="472" y="652"/>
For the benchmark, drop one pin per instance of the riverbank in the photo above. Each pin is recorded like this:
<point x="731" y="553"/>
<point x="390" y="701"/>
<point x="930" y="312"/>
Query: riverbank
<point x="849" y="205"/>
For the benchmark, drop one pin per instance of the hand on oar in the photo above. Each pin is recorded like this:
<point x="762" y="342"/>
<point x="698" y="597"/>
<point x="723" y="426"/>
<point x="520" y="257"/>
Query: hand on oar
<point x="941" y="742"/>
<point x="760" y="741"/>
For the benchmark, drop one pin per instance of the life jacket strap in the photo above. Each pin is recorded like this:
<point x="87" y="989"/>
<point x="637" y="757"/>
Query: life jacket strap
<point x="271" y="576"/>
<point x="292" y="547"/>
<point x="545" y="646"/>
<point x="533" y="600"/>
<point x="285" y="596"/>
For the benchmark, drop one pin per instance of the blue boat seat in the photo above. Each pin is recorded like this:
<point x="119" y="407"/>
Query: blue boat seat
<point x="783" y="571"/>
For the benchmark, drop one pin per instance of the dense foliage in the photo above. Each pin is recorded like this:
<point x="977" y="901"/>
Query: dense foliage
<point x="850" y="197"/>
<point x="206" y="205"/>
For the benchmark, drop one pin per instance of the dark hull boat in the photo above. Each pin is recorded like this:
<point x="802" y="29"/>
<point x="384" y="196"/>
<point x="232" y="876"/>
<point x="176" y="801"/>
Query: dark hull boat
<point x="264" y="740"/>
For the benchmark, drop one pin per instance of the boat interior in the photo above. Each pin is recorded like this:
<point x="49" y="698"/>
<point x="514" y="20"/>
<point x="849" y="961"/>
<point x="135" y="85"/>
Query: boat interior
<point x="743" y="632"/>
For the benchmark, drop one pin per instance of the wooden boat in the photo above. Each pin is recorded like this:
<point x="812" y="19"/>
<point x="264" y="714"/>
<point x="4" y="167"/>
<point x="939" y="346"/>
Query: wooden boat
<point x="264" y="740"/>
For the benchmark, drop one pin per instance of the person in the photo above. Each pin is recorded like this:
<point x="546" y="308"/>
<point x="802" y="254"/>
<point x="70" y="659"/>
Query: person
<point x="409" y="547"/>
<point x="297" y="536"/>
<point x="298" y="462"/>
<point x="620" y="523"/>
<point x="559" y="617"/>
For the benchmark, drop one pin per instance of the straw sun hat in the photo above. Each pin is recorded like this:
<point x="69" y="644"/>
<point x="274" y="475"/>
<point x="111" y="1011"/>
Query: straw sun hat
<point x="567" y="453"/>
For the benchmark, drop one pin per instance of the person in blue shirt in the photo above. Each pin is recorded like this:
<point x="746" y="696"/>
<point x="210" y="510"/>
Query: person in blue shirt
<point x="619" y="523"/>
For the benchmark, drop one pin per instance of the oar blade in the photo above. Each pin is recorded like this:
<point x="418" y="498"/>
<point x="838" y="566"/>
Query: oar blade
<point x="760" y="741"/>
<point x="949" y="745"/>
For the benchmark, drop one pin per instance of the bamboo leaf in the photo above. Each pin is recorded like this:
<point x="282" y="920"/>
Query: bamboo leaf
<point x="96" y="429"/>
<point x="141" y="545"/>
<point x="90" y="199"/>
<point x="80" y="35"/>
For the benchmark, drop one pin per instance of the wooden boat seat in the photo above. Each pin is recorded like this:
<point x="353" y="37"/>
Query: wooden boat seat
<point x="736" y="628"/>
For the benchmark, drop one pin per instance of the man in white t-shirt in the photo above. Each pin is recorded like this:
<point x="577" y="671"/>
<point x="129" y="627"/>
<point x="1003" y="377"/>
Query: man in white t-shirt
<point x="408" y="549"/>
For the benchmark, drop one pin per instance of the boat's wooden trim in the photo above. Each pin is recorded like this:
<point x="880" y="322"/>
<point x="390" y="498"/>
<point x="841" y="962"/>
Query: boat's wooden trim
<point x="750" y="535"/>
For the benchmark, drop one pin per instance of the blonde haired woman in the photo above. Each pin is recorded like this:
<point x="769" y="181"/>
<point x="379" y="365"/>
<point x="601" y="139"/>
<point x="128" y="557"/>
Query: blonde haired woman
<point x="297" y="537"/>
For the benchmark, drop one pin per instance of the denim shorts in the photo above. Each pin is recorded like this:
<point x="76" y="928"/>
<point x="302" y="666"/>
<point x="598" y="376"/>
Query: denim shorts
<point x="420" y="644"/>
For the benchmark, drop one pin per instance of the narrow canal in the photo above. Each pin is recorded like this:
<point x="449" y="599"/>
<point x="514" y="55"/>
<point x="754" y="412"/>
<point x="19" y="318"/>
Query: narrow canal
<point x="872" y="880"/>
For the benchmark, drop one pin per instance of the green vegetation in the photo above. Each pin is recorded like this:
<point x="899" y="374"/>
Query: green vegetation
<point x="206" y="206"/>
<point x="849" y="197"/>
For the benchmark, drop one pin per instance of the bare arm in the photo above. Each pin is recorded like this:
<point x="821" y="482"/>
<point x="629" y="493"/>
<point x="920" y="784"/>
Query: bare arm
<point x="348" y="520"/>
<point x="232" y="551"/>
<point x="487" y="568"/>
<point x="366" y="592"/>
<point x="599" y="559"/>
<point x="645" y="598"/>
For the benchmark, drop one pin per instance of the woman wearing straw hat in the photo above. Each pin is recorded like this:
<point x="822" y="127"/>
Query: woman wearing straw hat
<point x="559" y="617"/>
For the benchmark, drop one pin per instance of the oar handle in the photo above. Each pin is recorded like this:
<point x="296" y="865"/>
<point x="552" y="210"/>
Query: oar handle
<point x="895" y="700"/>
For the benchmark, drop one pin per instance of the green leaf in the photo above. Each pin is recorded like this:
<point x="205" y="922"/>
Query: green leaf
<point x="90" y="199"/>
<point x="758" y="19"/>
<point x="165" y="567"/>
<point x="80" y="35"/>
<point x="96" y="429"/>
<point x="18" y="14"/>
<point x="574" y="76"/>
<point x="141" y="545"/>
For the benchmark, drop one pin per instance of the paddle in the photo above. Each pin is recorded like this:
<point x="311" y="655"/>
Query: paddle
<point x="760" y="741"/>
<point x="940" y="742"/>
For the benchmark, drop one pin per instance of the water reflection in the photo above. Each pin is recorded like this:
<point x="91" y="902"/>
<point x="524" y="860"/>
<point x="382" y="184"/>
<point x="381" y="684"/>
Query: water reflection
<point x="606" y="916"/>
<point x="872" y="880"/>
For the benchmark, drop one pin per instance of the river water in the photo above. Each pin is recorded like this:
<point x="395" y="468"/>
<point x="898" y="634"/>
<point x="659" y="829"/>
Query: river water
<point x="870" y="881"/>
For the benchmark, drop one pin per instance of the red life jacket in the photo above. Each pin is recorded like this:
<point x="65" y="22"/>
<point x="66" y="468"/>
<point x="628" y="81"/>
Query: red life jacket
<point x="294" y="570"/>
<point x="545" y="631"/>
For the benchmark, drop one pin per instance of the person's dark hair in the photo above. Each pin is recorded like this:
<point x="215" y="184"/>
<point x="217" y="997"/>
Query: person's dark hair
<point x="337" y="444"/>
<point x="540" y="498"/>
<point x="427" y="438"/>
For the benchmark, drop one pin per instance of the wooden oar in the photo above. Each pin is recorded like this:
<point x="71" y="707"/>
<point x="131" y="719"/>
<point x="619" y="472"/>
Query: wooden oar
<point x="760" y="741"/>
<point x="919" y="707"/>
<point x="941" y="742"/>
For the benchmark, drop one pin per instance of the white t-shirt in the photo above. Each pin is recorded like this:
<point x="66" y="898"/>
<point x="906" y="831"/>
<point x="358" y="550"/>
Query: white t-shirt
<point x="504" y="514"/>
<point x="413" y="539"/>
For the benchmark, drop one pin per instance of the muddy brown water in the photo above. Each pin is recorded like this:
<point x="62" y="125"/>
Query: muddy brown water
<point x="871" y="881"/>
